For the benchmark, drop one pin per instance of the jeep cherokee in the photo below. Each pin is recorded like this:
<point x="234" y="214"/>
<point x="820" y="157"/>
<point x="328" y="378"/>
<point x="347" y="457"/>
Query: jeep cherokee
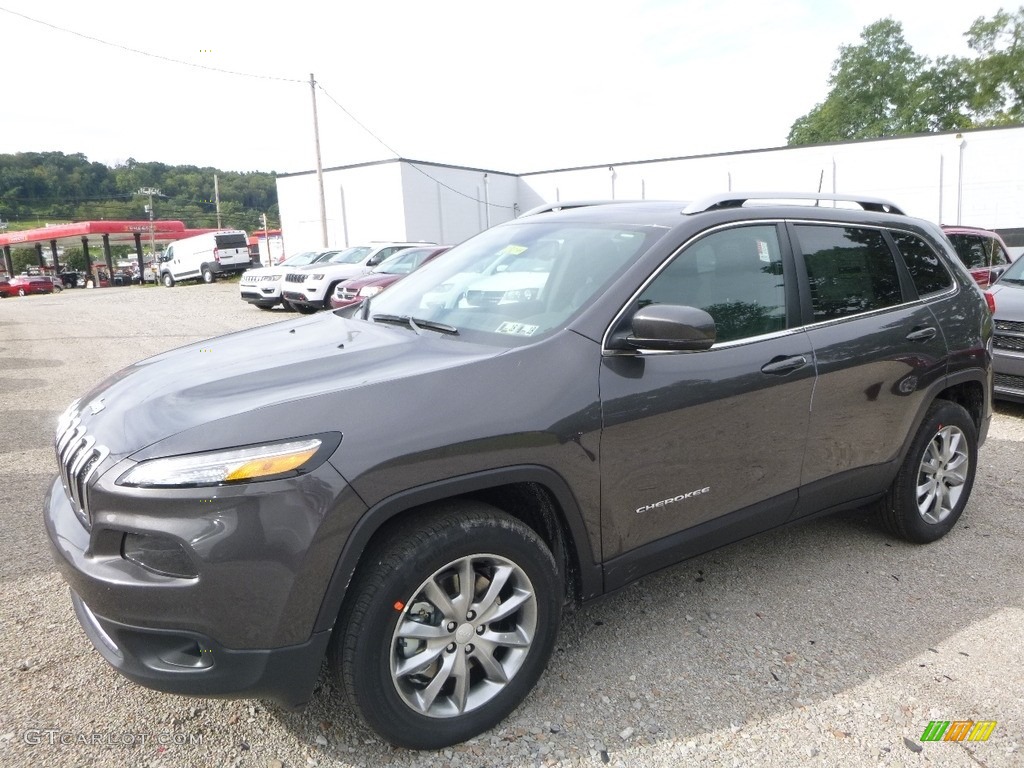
<point x="415" y="489"/>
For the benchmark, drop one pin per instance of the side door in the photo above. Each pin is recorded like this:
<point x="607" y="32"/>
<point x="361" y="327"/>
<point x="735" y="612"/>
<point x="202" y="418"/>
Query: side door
<point x="701" y="448"/>
<point x="877" y="348"/>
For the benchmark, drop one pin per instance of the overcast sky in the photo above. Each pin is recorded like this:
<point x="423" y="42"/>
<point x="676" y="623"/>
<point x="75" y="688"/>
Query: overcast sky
<point x="515" y="86"/>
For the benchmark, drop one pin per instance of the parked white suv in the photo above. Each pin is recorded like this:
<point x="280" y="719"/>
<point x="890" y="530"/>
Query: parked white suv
<point x="310" y="288"/>
<point x="262" y="286"/>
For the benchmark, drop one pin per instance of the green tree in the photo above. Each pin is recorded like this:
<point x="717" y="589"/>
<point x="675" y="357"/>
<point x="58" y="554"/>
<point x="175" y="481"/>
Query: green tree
<point x="882" y="88"/>
<point x="23" y="258"/>
<point x="872" y="90"/>
<point x="998" y="71"/>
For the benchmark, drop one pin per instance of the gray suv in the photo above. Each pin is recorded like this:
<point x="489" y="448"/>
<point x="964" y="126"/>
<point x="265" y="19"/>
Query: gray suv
<point x="415" y="489"/>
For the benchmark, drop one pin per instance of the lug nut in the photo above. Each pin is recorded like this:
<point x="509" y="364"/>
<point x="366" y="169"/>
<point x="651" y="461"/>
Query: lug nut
<point x="471" y="615"/>
<point x="451" y="626"/>
<point x="469" y="648"/>
<point x="450" y="648"/>
<point x="480" y="629"/>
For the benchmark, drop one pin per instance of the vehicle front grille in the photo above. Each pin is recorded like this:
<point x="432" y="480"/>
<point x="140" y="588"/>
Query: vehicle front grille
<point x="1012" y="343"/>
<point x="1005" y="381"/>
<point x="293" y="277"/>
<point x="484" y="298"/>
<point x="347" y="293"/>
<point x="1009" y="325"/>
<point x="78" y="457"/>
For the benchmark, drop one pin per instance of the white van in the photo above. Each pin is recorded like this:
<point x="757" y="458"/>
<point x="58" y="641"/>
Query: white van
<point x="205" y="256"/>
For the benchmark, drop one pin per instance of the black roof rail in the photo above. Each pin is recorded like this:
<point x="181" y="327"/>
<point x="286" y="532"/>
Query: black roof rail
<point x="738" y="199"/>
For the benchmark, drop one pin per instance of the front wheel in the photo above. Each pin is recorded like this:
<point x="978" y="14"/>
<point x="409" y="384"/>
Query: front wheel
<point x="935" y="481"/>
<point x="448" y="626"/>
<point x="168" y="279"/>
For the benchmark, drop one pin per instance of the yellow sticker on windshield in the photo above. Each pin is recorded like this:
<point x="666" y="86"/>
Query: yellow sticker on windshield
<point x="511" y="250"/>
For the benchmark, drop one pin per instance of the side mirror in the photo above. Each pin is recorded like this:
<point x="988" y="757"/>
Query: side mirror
<point x="671" y="327"/>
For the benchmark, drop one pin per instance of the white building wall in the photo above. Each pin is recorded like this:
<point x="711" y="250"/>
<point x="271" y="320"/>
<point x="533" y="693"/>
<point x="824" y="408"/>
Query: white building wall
<point x="363" y="203"/>
<point x="446" y="205"/>
<point x="905" y="170"/>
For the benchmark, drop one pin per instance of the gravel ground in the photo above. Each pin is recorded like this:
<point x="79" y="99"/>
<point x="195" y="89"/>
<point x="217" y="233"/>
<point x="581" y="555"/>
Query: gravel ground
<point x="826" y="644"/>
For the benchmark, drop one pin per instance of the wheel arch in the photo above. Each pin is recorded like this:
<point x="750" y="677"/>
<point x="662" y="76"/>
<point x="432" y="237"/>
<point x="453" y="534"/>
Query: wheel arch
<point x="535" y="495"/>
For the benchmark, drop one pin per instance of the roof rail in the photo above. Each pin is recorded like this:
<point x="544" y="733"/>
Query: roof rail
<point x="737" y="200"/>
<point x="565" y="206"/>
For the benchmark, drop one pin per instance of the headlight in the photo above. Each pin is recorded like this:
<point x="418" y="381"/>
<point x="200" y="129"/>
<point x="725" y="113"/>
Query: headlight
<point x="370" y="290"/>
<point x="319" y="276"/>
<point x="237" y="464"/>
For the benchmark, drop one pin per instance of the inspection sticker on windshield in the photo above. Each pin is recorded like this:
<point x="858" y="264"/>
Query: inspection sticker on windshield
<point x="511" y="250"/>
<point x="518" y="329"/>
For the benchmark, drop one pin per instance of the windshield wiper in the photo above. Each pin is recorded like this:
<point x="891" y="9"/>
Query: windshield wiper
<point x="416" y="323"/>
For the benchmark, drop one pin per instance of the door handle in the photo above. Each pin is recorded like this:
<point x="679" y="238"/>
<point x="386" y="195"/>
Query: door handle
<point x="922" y="334"/>
<point x="784" y="365"/>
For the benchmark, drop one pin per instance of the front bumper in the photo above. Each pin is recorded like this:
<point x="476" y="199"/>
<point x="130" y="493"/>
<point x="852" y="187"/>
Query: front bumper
<point x="309" y="297"/>
<point x="191" y="664"/>
<point x="1008" y="378"/>
<point x="242" y="622"/>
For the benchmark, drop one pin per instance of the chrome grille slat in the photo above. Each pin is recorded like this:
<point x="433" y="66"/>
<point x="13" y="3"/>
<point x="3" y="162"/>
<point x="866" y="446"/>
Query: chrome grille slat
<point x="78" y="459"/>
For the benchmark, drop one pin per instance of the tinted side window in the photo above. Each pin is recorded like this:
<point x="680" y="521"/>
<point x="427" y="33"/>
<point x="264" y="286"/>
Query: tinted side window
<point x="999" y="255"/>
<point x="971" y="250"/>
<point x="926" y="268"/>
<point x="734" y="275"/>
<point x="851" y="270"/>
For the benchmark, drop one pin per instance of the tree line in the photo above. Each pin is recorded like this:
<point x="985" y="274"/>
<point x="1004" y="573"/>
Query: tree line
<point x="51" y="187"/>
<point x="882" y="87"/>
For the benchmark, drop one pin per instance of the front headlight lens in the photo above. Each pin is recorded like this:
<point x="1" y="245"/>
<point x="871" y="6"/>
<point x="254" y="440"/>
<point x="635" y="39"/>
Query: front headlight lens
<point x="316" y="277"/>
<point x="237" y="464"/>
<point x="370" y="290"/>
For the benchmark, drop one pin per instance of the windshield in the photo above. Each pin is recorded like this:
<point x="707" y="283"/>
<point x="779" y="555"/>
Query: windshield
<point x="299" y="259"/>
<point x="1014" y="273"/>
<point x="403" y="262"/>
<point x="350" y="255"/>
<point x="517" y="281"/>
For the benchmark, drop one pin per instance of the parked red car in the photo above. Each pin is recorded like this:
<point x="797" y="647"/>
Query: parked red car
<point x="389" y="271"/>
<point x="982" y="251"/>
<point x="24" y="285"/>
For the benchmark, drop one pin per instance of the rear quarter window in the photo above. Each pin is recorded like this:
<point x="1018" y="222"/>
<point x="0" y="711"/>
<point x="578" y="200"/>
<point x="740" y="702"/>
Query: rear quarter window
<point x="925" y="266"/>
<point x="851" y="270"/>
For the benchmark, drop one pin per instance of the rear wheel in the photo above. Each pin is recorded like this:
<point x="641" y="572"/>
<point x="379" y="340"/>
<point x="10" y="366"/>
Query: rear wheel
<point x="21" y="291"/>
<point x="168" y="279"/>
<point x="935" y="481"/>
<point x="304" y="309"/>
<point x="448" y="626"/>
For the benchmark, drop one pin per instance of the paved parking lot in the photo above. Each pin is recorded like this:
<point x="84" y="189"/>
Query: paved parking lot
<point x="824" y="644"/>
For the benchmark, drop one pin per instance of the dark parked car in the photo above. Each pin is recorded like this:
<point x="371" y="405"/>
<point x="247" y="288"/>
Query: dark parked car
<point x="982" y="251"/>
<point x="415" y="489"/>
<point x="388" y="272"/>
<point x="1008" y="344"/>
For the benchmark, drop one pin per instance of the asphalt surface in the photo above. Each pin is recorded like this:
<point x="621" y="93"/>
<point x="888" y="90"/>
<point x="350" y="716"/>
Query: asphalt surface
<point x="824" y="644"/>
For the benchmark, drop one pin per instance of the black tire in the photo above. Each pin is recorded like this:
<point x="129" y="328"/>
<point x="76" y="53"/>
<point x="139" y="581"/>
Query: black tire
<point x="428" y="548"/>
<point x="168" y="279"/>
<point x="304" y="309"/>
<point x="943" y="458"/>
<point x="21" y="291"/>
<point x="288" y="306"/>
<point x="208" y="274"/>
<point x="265" y="306"/>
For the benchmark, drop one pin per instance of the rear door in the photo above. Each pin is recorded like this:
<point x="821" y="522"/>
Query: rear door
<point x="877" y="349"/>
<point x="690" y="437"/>
<point x="232" y="248"/>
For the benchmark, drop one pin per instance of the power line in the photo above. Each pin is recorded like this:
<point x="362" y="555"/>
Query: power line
<point x="148" y="53"/>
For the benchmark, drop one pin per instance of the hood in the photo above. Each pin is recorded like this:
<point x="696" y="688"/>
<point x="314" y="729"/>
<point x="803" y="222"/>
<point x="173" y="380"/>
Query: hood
<point x="1009" y="301"/>
<point x="242" y="373"/>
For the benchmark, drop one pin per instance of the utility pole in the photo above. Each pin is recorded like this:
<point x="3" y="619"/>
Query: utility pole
<point x="152" y="225"/>
<point x="216" y="198"/>
<point x="319" y="164"/>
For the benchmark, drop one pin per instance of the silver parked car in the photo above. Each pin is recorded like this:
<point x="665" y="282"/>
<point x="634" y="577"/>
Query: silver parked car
<point x="1008" y="340"/>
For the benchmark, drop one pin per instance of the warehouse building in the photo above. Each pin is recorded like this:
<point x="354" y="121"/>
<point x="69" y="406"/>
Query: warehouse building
<point x="973" y="178"/>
